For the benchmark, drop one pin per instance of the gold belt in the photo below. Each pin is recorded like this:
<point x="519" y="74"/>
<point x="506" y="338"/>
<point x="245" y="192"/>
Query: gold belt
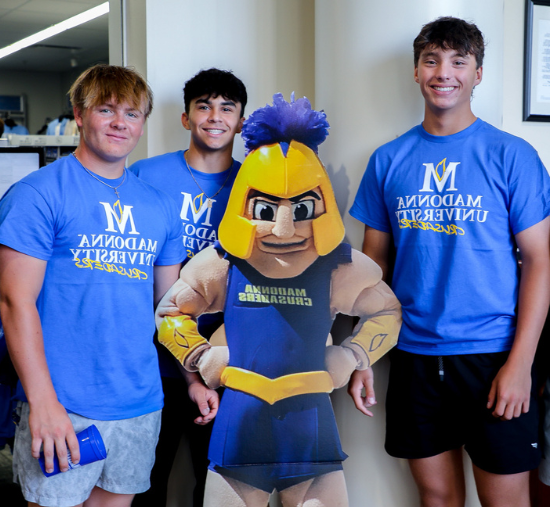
<point x="273" y="390"/>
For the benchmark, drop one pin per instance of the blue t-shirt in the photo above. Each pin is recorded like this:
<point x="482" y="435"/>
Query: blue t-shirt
<point x="454" y="204"/>
<point x="96" y="302"/>
<point x="171" y="174"/>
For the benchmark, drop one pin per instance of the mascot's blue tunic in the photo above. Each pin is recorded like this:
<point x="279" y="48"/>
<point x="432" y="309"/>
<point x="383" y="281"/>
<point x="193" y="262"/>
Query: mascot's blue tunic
<point x="277" y="327"/>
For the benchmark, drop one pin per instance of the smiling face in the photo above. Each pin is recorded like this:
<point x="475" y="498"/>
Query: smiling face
<point x="108" y="132"/>
<point x="213" y="122"/>
<point x="283" y="244"/>
<point x="446" y="79"/>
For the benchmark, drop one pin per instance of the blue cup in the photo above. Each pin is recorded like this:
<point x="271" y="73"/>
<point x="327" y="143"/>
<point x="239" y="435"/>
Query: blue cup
<point x="91" y="446"/>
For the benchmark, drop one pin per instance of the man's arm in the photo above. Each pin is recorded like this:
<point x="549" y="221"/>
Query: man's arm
<point x="21" y="278"/>
<point x="207" y="400"/>
<point x="376" y="245"/>
<point x="164" y="278"/>
<point x="510" y="390"/>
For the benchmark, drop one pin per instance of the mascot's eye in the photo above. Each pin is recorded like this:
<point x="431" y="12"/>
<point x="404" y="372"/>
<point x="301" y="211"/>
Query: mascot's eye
<point x="303" y="210"/>
<point x="265" y="211"/>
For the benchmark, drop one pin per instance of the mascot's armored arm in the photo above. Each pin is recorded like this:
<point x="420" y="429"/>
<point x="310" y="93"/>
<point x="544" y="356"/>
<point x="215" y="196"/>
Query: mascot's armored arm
<point x="200" y="289"/>
<point x="358" y="290"/>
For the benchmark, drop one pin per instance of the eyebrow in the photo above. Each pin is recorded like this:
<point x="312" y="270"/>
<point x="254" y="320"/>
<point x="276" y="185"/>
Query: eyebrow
<point x="209" y="102"/>
<point x="455" y="53"/>
<point x="113" y="105"/>
<point x="309" y="193"/>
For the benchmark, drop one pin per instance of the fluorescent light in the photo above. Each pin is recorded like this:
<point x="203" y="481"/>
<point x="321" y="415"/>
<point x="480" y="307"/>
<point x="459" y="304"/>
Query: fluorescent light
<point x="79" y="19"/>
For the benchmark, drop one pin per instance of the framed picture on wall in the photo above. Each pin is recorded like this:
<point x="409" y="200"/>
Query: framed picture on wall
<point x="536" y="76"/>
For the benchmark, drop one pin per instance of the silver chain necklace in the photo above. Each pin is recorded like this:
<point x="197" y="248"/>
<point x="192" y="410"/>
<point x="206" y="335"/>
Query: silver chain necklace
<point x="101" y="181"/>
<point x="209" y="200"/>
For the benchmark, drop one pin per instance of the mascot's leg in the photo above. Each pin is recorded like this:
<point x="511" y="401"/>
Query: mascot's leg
<point x="228" y="492"/>
<point x="327" y="490"/>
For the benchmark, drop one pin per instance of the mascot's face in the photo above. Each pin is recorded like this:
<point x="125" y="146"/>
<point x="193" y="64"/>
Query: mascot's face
<point x="284" y="241"/>
<point x="281" y="211"/>
<point x="284" y="226"/>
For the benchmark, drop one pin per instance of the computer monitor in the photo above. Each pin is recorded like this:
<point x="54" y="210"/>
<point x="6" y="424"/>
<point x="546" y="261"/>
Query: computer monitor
<point x="15" y="163"/>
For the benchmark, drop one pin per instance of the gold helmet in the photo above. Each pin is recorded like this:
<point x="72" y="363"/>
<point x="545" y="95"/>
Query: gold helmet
<point x="285" y="168"/>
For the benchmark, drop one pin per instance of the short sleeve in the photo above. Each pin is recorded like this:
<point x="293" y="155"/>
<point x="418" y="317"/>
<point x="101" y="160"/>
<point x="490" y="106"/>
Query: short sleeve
<point x="369" y="206"/>
<point x="135" y="168"/>
<point x="27" y="222"/>
<point x="529" y="192"/>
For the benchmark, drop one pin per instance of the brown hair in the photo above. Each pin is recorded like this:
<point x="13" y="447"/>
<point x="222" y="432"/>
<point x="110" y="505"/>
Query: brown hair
<point x="451" y="33"/>
<point x="100" y="83"/>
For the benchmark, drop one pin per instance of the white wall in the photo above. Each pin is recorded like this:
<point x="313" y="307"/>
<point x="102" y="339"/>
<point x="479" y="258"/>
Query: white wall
<point x="258" y="41"/>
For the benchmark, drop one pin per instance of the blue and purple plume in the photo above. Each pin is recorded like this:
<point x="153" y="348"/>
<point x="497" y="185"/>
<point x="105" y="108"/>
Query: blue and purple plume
<point x="284" y="122"/>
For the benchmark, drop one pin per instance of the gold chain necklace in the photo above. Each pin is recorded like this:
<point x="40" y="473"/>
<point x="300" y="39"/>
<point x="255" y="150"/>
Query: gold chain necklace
<point x="209" y="199"/>
<point x="101" y="181"/>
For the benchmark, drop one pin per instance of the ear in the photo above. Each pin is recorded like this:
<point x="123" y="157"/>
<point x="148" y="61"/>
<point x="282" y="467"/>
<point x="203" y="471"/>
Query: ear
<point x="240" y="127"/>
<point x="185" y="121"/>
<point x="416" y="74"/>
<point x="77" y="116"/>
<point x="479" y="76"/>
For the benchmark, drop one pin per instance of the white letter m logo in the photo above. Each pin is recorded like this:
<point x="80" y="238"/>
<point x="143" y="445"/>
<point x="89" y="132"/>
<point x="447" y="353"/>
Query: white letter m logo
<point x="121" y="219"/>
<point x="447" y="171"/>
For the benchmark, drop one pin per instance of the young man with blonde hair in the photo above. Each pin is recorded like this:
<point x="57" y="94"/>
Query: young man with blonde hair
<point x="86" y="248"/>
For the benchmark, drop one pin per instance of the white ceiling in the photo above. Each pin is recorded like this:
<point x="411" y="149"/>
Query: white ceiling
<point x="87" y="44"/>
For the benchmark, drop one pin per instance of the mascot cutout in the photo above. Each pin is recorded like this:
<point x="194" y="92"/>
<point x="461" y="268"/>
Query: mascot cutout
<point x="280" y="274"/>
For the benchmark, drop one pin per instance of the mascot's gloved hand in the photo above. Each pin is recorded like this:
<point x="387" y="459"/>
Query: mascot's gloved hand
<point x="211" y="365"/>
<point x="340" y="362"/>
<point x="180" y="336"/>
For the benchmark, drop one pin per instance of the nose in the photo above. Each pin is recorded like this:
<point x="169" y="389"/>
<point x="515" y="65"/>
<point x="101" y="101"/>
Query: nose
<point x="214" y="115"/>
<point x="284" y="222"/>
<point x="444" y="71"/>
<point x="118" y="121"/>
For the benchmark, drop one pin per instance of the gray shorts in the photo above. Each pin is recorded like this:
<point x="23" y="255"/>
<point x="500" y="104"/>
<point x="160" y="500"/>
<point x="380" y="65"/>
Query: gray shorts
<point x="130" y="445"/>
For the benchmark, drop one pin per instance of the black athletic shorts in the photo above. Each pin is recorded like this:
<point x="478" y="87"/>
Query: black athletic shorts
<point x="436" y="404"/>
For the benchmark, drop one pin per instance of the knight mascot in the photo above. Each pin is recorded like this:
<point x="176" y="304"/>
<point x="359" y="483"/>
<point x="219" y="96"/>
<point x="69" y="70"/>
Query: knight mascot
<point x="280" y="273"/>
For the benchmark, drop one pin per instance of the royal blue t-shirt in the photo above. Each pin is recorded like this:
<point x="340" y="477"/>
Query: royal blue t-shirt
<point x="454" y="204"/>
<point x="96" y="303"/>
<point x="190" y="190"/>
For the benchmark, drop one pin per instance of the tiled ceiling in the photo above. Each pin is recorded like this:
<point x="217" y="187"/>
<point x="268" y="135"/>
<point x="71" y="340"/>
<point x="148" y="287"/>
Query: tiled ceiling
<point x="81" y="46"/>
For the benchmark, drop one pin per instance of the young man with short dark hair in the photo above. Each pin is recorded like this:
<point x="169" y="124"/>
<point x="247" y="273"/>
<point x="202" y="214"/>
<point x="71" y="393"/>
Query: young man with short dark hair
<point x="199" y="180"/>
<point x="86" y="249"/>
<point x="459" y="197"/>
